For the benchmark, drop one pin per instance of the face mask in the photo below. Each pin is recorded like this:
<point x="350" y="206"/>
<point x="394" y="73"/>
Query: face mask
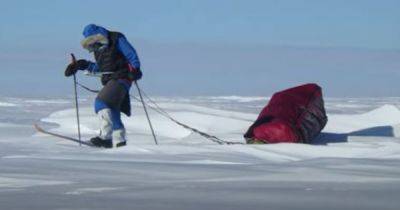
<point x="96" y="47"/>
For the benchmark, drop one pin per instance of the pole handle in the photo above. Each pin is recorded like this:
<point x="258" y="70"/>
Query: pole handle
<point x="73" y="59"/>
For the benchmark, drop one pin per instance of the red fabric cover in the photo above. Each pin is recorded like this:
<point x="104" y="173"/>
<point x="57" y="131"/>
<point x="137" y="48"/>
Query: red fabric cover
<point x="293" y="115"/>
<point x="275" y="131"/>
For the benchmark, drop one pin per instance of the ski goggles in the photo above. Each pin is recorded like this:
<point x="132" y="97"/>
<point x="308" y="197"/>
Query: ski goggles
<point x="94" y="42"/>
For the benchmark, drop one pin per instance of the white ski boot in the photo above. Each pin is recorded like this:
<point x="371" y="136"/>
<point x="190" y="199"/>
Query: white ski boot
<point x="119" y="137"/>
<point x="105" y="137"/>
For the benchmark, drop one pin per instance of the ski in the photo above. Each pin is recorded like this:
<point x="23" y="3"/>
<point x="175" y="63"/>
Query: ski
<point x="41" y="130"/>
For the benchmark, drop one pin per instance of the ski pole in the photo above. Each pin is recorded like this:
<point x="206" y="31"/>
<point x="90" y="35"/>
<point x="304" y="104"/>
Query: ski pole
<point x="76" y="103"/>
<point x="147" y="114"/>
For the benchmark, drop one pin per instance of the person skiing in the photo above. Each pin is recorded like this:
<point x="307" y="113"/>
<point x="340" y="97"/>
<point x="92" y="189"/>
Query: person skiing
<point x="118" y="64"/>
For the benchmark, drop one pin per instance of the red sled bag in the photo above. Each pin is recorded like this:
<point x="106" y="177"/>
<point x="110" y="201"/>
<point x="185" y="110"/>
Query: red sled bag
<point x="295" y="115"/>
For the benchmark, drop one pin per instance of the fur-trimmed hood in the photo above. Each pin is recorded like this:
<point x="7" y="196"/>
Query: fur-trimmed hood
<point x="93" y="29"/>
<point x="94" y="34"/>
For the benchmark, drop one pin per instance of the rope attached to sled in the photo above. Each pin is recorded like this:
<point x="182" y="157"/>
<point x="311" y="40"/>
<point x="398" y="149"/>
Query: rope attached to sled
<point x="154" y="106"/>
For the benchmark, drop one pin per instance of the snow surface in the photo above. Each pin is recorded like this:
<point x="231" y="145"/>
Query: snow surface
<point x="5" y="104"/>
<point x="353" y="164"/>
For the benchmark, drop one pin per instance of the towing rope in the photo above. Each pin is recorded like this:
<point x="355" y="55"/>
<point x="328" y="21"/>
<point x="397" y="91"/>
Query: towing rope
<point x="155" y="107"/>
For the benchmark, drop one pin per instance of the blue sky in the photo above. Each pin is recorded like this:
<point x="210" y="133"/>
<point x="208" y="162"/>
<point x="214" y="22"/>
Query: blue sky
<point x="210" y="47"/>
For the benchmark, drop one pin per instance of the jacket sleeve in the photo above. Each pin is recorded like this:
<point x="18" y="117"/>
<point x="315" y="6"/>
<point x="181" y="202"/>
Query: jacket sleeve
<point x="128" y="51"/>
<point x="93" y="68"/>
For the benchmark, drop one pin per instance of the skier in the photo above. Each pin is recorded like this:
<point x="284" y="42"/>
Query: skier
<point x="118" y="64"/>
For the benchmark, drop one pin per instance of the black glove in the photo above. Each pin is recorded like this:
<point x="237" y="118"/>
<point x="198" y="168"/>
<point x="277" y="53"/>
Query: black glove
<point x="72" y="68"/>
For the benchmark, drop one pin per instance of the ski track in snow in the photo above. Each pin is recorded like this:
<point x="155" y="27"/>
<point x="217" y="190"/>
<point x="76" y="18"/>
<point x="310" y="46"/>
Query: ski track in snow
<point x="81" y="191"/>
<point x="355" y="160"/>
<point x="6" y="182"/>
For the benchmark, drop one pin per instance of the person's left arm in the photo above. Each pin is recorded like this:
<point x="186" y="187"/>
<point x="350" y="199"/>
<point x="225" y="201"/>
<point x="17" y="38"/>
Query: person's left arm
<point x="128" y="51"/>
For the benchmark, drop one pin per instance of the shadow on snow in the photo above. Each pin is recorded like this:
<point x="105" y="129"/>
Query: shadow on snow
<point x="380" y="131"/>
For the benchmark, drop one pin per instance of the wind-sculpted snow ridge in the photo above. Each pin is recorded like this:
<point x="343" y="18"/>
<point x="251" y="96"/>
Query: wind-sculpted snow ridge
<point x="387" y="115"/>
<point x="239" y="99"/>
<point x="205" y="119"/>
<point x="47" y="102"/>
<point x="341" y="138"/>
